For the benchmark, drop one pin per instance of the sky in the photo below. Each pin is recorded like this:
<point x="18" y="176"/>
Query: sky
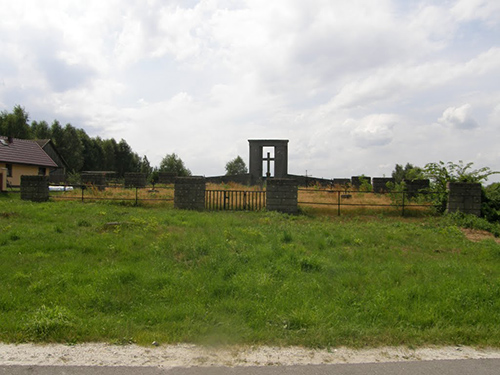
<point x="355" y="86"/>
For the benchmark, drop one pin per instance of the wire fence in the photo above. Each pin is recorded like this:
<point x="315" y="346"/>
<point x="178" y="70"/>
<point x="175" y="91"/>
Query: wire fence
<point x="331" y="201"/>
<point x="339" y="201"/>
<point x="88" y="193"/>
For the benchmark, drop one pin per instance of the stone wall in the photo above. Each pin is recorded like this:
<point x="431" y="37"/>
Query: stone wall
<point x="413" y="188"/>
<point x="96" y="179"/>
<point x="190" y="193"/>
<point x="464" y="197"/>
<point x="281" y="195"/>
<point x="380" y="184"/>
<point x="35" y="188"/>
<point x="135" y="180"/>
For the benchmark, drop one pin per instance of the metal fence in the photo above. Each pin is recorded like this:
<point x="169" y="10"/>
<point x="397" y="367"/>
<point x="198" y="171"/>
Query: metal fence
<point x="85" y="193"/>
<point x="338" y="201"/>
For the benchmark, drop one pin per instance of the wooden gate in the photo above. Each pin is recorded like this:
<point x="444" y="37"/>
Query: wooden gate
<point x="235" y="200"/>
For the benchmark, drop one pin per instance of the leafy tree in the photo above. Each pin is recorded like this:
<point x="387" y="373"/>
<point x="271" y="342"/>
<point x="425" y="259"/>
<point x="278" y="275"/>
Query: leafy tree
<point x="109" y="148"/>
<point x="126" y="160"/>
<point x="236" y="166"/>
<point x="71" y="149"/>
<point x="406" y="173"/>
<point x="15" y="124"/>
<point x="490" y="202"/>
<point x="145" y="166"/>
<point x="171" y="163"/>
<point x="92" y="152"/>
<point x="40" y="130"/>
<point x="56" y="134"/>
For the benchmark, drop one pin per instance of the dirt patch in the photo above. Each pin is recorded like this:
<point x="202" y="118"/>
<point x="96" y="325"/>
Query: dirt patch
<point x="476" y="235"/>
<point x="184" y="355"/>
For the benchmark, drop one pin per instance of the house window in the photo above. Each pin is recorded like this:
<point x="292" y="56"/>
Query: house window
<point x="41" y="171"/>
<point x="9" y="170"/>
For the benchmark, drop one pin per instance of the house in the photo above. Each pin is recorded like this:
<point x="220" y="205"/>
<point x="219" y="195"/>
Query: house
<point x="57" y="175"/>
<point x="20" y="157"/>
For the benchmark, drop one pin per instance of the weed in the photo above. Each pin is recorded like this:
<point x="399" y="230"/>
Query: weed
<point x="48" y="323"/>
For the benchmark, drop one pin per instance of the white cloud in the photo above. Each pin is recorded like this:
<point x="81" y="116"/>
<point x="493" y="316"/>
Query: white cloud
<point x="373" y="130"/>
<point x="353" y="84"/>
<point x="459" y="117"/>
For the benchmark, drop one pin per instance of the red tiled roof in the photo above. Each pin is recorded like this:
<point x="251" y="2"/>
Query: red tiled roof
<point x="23" y="151"/>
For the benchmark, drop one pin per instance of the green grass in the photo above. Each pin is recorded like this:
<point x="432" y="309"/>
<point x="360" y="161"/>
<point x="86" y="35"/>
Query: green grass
<point x="73" y="272"/>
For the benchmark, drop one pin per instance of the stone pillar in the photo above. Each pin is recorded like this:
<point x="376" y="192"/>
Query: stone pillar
<point x="281" y="195"/>
<point x="135" y="180"/>
<point x="35" y="188"/>
<point x="281" y="159"/>
<point x="464" y="197"/>
<point x="189" y="193"/>
<point x="380" y="184"/>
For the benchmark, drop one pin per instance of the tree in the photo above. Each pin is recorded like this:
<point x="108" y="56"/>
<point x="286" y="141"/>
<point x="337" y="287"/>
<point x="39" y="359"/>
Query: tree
<point x="109" y="148"/>
<point x="126" y="159"/>
<point x="71" y="148"/>
<point x="92" y="152"/>
<point x="236" y="166"/>
<point x="408" y="173"/>
<point x="145" y="166"/>
<point x="171" y="163"/>
<point x="40" y="130"/>
<point x="15" y="124"/>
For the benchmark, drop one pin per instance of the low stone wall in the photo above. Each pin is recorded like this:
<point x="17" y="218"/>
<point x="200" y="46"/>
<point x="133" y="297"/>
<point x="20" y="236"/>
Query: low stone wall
<point x="413" y="188"/>
<point x="190" y="193"/>
<point x="282" y="195"/>
<point x="135" y="180"/>
<point x="35" y="188"/>
<point x="96" y="179"/>
<point x="464" y="197"/>
<point x="380" y="184"/>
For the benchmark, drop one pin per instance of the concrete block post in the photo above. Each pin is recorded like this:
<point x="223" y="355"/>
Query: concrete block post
<point x="189" y="193"/>
<point x="282" y="195"/>
<point x="35" y="188"/>
<point x="464" y="197"/>
<point x="135" y="180"/>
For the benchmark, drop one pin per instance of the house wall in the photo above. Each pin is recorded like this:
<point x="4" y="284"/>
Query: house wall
<point x="19" y="170"/>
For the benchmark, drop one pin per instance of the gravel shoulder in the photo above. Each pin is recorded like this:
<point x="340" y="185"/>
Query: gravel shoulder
<point x="184" y="355"/>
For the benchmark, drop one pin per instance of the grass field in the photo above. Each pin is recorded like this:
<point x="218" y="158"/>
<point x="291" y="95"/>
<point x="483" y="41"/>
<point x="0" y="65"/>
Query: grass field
<point x="73" y="272"/>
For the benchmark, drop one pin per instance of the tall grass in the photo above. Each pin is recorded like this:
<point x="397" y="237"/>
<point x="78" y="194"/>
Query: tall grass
<point x="73" y="272"/>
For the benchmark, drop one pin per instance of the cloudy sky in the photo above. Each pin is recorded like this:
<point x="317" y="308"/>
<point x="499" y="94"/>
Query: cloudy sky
<point x="355" y="86"/>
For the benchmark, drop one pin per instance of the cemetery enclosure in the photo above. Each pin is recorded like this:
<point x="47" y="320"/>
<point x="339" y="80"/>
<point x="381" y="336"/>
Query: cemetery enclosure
<point x="279" y="195"/>
<point x="240" y="198"/>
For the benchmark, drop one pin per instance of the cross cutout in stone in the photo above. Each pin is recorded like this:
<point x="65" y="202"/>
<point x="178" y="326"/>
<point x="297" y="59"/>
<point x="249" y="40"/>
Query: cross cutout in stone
<point x="268" y="159"/>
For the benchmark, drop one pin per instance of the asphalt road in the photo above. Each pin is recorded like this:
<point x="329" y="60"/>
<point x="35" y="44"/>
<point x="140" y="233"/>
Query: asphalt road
<point x="454" y="367"/>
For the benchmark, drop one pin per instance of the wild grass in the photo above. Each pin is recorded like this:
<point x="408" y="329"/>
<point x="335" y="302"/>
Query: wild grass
<point x="73" y="272"/>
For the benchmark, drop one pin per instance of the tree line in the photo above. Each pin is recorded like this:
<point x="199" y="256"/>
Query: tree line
<point x="80" y="151"/>
<point x="84" y="153"/>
